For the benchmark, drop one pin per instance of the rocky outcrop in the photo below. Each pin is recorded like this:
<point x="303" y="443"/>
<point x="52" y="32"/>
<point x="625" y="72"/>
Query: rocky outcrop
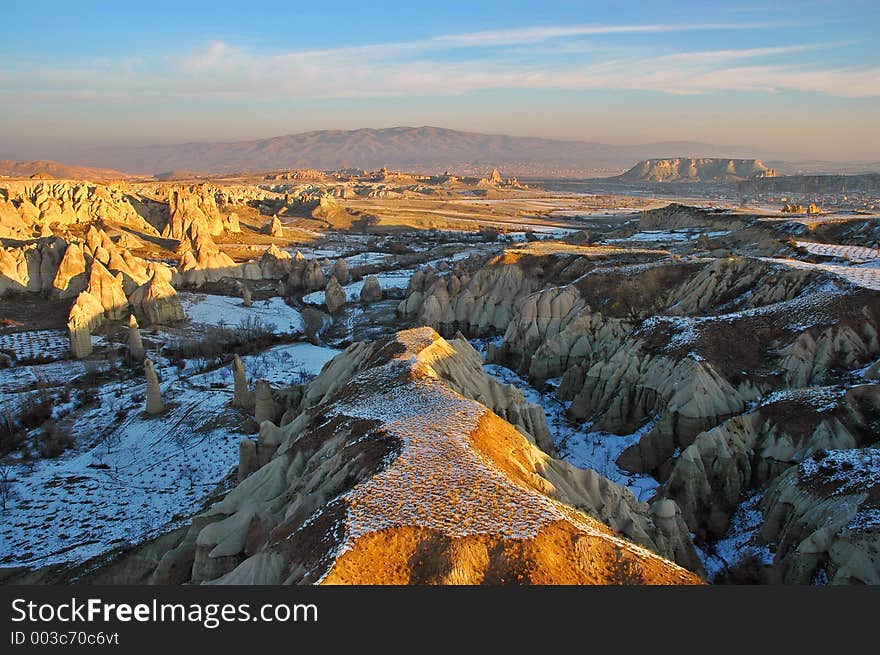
<point x="385" y="449"/>
<point x="247" y="459"/>
<point x="824" y="518"/>
<point x="274" y="228"/>
<point x="231" y="224"/>
<point x="192" y="209"/>
<point x="712" y="476"/>
<point x="156" y="302"/>
<point x="135" y="344"/>
<point x="734" y="284"/>
<point x="484" y="304"/>
<point x="47" y="204"/>
<point x="372" y="290"/>
<point x="72" y="274"/>
<point x="312" y="276"/>
<point x="334" y="296"/>
<point x="264" y="403"/>
<point x="86" y="315"/>
<point x="675" y="217"/>
<point x="32" y="267"/>
<point x="340" y="271"/>
<point x="815" y="354"/>
<point x="103" y="299"/>
<point x="203" y="261"/>
<point x="242" y="396"/>
<point x="155" y="404"/>
<point x="109" y="291"/>
<point x="275" y="263"/>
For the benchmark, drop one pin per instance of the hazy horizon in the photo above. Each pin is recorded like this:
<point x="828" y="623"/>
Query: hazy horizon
<point x="792" y="81"/>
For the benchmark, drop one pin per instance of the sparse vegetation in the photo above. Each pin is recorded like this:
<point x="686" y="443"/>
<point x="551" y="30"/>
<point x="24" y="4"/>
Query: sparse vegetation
<point x="53" y="439"/>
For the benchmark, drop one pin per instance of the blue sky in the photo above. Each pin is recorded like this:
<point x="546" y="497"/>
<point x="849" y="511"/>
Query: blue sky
<point x="790" y="78"/>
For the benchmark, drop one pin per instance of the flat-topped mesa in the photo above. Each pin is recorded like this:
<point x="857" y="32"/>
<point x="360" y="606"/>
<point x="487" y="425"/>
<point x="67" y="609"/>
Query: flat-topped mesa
<point x="334" y="296"/>
<point x="686" y="169"/>
<point x="135" y="344"/>
<point x="392" y="472"/>
<point x="155" y="404"/>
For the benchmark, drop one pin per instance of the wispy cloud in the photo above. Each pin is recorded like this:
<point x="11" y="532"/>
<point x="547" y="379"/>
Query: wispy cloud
<point x="453" y="64"/>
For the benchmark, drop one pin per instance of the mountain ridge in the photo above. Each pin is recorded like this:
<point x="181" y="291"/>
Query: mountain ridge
<point x="424" y="149"/>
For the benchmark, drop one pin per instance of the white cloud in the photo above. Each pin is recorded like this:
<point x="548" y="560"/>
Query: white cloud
<point x="222" y="71"/>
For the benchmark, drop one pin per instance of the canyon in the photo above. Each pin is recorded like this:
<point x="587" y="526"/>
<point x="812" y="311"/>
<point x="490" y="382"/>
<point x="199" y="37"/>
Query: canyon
<point x="388" y="377"/>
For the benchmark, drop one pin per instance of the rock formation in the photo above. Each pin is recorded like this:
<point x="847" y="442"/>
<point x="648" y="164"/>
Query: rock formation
<point x="231" y="224"/>
<point x="108" y="290"/>
<point x="340" y="271"/>
<point x="264" y="404"/>
<point x="242" y="396"/>
<point x="372" y="290"/>
<point x="85" y="316"/>
<point x="677" y="354"/>
<point x="404" y="464"/>
<point x="823" y="517"/>
<point x="274" y="228"/>
<point x="192" y="209"/>
<point x="155" y="404"/>
<point x="334" y="296"/>
<point x="275" y="263"/>
<point x="247" y="459"/>
<point x="72" y="274"/>
<point x="156" y="302"/>
<point x="245" y="296"/>
<point x="692" y="170"/>
<point x="135" y="344"/>
<point x="30" y="206"/>
<point x="312" y="276"/>
<point x="31" y="267"/>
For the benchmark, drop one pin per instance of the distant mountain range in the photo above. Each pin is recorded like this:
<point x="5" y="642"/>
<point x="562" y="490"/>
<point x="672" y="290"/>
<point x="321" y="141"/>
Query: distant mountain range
<point x="415" y="149"/>
<point x="52" y="169"/>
